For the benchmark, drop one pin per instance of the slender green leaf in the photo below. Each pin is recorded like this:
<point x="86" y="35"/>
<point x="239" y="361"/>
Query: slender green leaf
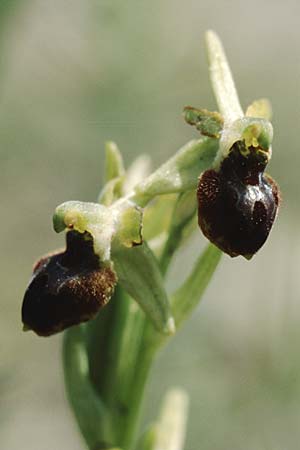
<point x="90" y="412"/>
<point x="187" y="297"/>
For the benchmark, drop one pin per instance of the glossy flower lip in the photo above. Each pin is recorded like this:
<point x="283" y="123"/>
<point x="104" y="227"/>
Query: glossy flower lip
<point x="238" y="204"/>
<point x="67" y="287"/>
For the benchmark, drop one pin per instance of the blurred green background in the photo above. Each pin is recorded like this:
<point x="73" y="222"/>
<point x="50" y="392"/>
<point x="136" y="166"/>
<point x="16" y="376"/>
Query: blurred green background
<point x="75" y="73"/>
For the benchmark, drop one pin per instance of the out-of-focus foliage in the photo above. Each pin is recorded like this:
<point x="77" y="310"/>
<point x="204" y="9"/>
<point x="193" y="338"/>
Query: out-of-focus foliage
<point x="74" y="74"/>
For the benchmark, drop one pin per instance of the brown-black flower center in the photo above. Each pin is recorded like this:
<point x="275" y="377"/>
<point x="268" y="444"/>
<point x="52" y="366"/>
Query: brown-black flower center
<point x="67" y="287"/>
<point x="238" y="203"/>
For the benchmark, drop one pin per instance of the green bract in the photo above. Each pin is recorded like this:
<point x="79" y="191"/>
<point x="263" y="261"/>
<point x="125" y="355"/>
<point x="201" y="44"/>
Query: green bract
<point x="139" y="274"/>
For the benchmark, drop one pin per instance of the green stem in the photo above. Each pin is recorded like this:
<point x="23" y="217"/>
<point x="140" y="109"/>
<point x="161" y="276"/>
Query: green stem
<point x="133" y="345"/>
<point x="150" y="343"/>
<point x="106" y="389"/>
<point x="121" y="345"/>
<point x="129" y="422"/>
<point x="152" y="340"/>
<point x="113" y="356"/>
<point x="125" y="372"/>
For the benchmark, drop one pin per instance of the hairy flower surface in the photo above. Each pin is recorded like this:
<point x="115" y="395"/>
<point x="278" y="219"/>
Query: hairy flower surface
<point x="67" y="287"/>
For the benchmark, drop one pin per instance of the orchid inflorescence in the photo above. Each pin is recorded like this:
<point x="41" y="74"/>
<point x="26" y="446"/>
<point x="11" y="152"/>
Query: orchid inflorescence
<point x="118" y="251"/>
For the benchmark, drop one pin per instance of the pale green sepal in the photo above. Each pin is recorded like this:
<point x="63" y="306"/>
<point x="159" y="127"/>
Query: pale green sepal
<point x="261" y="108"/>
<point x="111" y="192"/>
<point x="136" y="172"/>
<point x="114" y="167"/>
<point x="171" y="428"/>
<point x="121" y="223"/>
<point x="254" y="131"/>
<point x="139" y="274"/>
<point x="222" y="80"/>
<point x="259" y="133"/>
<point x="129" y="224"/>
<point x="98" y="220"/>
<point x="92" y="416"/>
<point x="187" y="297"/>
<point x="114" y="175"/>
<point x="180" y="173"/>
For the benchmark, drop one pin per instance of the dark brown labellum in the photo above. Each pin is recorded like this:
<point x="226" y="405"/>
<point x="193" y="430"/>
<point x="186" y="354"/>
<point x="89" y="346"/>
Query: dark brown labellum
<point x="67" y="288"/>
<point x="237" y="204"/>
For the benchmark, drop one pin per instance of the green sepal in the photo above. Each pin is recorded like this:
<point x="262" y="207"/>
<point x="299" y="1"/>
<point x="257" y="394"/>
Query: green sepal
<point x="129" y="225"/>
<point x="113" y="175"/>
<point x="180" y="173"/>
<point x="119" y="225"/>
<point x="222" y="80"/>
<point x="254" y="132"/>
<point x="96" y="219"/>
<point x="114" y="166"/>
<point x="91" y="414"/>
<point x="259" y="133"/>
<point x="139" y="169"/>
<point x="139" y="274"/>
<point x="261" y="108"/>
<point x="111" y="192"/>
<point x="207" y="122"/>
